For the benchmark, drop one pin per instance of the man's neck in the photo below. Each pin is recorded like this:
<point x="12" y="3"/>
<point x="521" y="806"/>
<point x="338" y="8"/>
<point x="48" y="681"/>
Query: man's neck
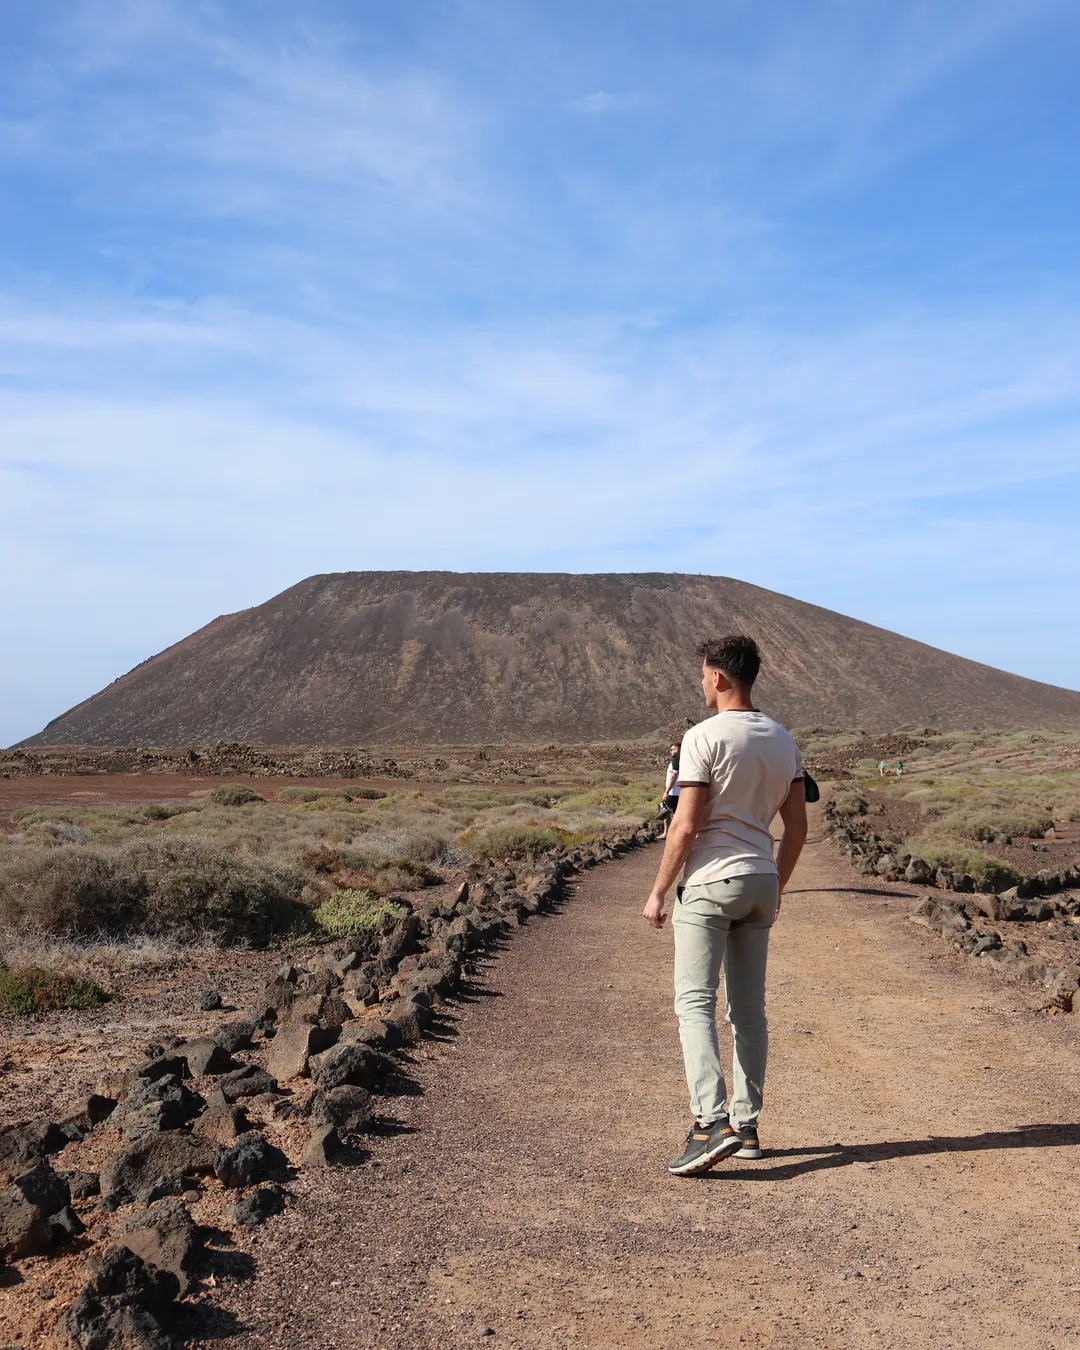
<point x="734" y="700"/>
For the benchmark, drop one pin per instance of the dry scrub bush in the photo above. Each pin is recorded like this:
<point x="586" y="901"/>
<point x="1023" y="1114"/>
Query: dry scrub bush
<point x="165" y="887"/>
<point x="71" y="890"/>
<point x="370" y="871"/>
<point x="846" y="804"/>
<point x="195" y="891"/>
<point x="506" y="841"/>
<point x="233" y="794"/>
<point x="620" y="800"/>
<point x="206" y="871"/>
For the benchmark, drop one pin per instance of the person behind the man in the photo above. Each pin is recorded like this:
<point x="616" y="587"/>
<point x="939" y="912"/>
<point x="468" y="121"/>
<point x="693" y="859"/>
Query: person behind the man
<point x="736" y="770"/>
<point x="670" y="799"/>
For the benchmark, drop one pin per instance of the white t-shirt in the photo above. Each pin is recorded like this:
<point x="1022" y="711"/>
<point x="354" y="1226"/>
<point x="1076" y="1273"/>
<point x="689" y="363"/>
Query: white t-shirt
<point x="671" y="783"/>
<point x="749" y="763"/>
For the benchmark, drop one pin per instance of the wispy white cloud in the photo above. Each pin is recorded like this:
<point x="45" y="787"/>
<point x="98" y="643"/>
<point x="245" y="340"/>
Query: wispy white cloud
<point x="324" y="294"/>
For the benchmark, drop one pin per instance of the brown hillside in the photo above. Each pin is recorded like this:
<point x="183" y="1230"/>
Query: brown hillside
<point x="444" y="657"/>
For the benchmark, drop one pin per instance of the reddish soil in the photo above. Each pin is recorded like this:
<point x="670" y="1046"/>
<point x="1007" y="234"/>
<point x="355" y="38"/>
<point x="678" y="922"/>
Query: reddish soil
<point x="917" y="1192"/>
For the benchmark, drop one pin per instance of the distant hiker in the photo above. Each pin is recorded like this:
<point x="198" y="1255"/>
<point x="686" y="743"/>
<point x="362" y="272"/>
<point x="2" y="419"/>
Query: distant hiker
<point x="899" y="768"/>
<point x="670" y="799"/>
<point x="736" y="770"/>
<point x="881" y="769"/>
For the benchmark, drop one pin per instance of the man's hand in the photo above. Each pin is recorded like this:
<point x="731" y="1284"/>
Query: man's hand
<point x="654" y="910"/>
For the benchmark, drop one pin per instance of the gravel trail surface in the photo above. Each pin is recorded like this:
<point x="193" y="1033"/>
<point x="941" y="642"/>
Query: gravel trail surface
<point x="920" y="1187"/>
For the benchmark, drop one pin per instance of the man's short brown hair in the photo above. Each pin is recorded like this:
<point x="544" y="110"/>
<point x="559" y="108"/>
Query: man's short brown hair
<point x="737" y="656"/>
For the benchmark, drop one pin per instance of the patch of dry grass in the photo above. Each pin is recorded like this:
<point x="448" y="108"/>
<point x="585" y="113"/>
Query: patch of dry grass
<point x="235" y="867"/>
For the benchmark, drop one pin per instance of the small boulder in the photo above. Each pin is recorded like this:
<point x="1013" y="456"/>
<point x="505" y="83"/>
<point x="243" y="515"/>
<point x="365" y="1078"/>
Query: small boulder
<point x="293" y="1047"/>
<point x="83" y="1185"/>
<point x="206" y="1056"/>
<point x="172" y="1183"/>
<point x="210" y="1000"/>
<point x="165" y="1103"/>
<point x="400" y="939"/>
<point x="335" y="1010"/>
<point x="165" y="1236"/>
<point x="140" y="1163"/>
<point x="351" y="1063"/>
<point x="266" y="1019"/>
<point x="99" y="1108"/>
<point x="919" y="872"/>
<point x="234" y="1036"/>
<point x="35" y="1213"/>
<point x="379" y="1035"/>
<point x="22" y="1146"/>
<point x="161" y="1065"/>
<point x="341" y="965"/>
<point x="246" y="1082"/>
<point x="250" y="1159"/>
<point x="349" y="1108"/>
<point x="408" y="1021"/>
<point x="257" y="1206"/>
<point x="222" y="1123"/>
<point x="316" y="982"/>
<point x="120" y="1306"/>
<point x="323" y="1148"/>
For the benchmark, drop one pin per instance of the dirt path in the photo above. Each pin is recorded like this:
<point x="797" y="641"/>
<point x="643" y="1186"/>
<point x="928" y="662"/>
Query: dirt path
<point x="921" y="1188"/>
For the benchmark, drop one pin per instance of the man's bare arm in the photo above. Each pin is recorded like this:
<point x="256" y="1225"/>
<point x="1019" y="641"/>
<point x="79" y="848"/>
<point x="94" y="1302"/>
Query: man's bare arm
<point x="793" y="814"/>
<point x="680" y="839"/>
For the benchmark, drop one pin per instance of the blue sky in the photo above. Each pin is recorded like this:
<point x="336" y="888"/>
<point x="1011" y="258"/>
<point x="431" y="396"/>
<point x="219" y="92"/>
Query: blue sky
<point x="789" y="293"/>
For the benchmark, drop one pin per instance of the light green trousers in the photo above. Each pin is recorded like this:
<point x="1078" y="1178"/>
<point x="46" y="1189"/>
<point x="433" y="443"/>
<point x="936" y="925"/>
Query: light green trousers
<point x="724" y="925"/>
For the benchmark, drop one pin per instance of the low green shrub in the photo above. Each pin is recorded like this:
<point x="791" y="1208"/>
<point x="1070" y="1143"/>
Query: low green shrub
<point x="847" y="804"/>
<point x="350" y="911"/>
<point x="958" y="856"/>
<point x="33" y="991"/>
<point x="503" y="841"/>
<point x="233" y="794"/>
<point x="620" y="799"/>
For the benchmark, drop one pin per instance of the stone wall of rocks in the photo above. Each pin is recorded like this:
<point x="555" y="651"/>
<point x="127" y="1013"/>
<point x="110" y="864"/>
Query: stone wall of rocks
<point x="218" y="760"/>
<point x="957" y="921"/>
<point x="874" y="856"/>
<point x="312" y="1057"/>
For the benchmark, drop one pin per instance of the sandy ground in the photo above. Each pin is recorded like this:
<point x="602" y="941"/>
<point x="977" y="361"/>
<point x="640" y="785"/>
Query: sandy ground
<point x="920" y="1188"/>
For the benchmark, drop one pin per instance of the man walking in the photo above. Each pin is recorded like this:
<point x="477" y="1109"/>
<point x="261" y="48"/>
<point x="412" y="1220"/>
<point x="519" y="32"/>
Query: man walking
<point x="736" y="770"/>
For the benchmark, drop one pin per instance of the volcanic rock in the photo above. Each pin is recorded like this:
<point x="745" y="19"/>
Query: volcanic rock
<point x="256" y="1207"/>
<point x="24" y="1145"/>
<point x="250" y="1159"/>
<point x="35" y="1213"/>
<point x="294" y="1045"/>
<point x="139" y="1164"/>
<point x="348" y="1107"/>
<point x="120" y="1306"/>
<point x="165" y="1236"/>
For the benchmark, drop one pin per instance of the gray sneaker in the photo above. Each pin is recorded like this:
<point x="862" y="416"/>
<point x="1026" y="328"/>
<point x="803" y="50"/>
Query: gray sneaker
<point x="705" y="1146"/>
<point x="751" y="1148"/>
